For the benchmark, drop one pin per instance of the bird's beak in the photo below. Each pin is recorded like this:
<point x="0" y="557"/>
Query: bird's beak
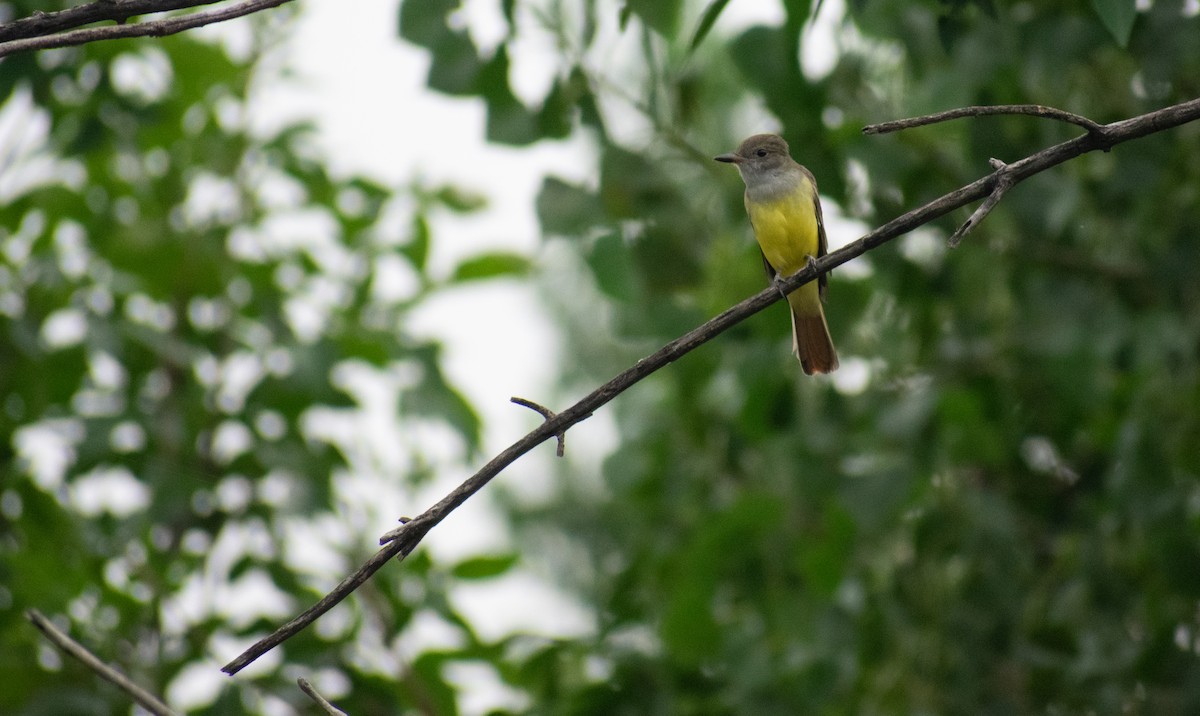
<point x="730" y="158"/>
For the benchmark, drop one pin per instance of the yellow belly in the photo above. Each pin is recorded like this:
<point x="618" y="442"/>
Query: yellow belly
<point x="786" y="230"/>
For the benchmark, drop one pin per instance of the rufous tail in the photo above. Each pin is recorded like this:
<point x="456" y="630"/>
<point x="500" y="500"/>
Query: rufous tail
<point x="812" y="343"/>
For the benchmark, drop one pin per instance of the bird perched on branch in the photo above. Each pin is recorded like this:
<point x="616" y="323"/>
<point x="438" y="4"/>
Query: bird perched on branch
<point x="785" y="213"/>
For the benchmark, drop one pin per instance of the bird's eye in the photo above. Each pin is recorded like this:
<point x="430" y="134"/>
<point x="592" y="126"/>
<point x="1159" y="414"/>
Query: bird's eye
<point x="761" y="153"/>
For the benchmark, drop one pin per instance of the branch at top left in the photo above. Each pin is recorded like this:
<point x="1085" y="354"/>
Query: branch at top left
<point x="43" y="31"/>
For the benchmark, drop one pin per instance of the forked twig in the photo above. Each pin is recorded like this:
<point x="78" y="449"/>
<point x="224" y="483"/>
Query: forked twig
<point x="548" y="414"/>
<point x="1003" y="182"/>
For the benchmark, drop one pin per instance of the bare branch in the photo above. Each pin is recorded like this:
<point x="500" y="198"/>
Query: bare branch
<point x="46" y="23"/>
<point x="324" y="704"/>
<point x="1003" y="182"/>
<point x="152" y="28"/>
<point x="344" y="589"/>
<point x="403" y="540"/>
<point x="144" y="698"/>
<point x="1035" y="110"/>
<point x="546" y="413"/>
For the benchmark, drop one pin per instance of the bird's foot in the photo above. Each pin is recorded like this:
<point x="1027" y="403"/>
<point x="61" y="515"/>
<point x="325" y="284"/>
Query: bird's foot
<point x="777" y="283"/>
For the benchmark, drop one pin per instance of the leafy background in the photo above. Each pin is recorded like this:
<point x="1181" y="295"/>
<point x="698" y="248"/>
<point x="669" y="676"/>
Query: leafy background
<point x="994" y="507"/>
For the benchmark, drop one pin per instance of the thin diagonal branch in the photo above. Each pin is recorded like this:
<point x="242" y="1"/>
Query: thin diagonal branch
<point x="1035" y="110"/>
<point x="321" y="701"/>
<point x="401" y="547"/>
<point x="46" y="23"/>
<point x="404" y="539"/>
<point x="151" y="28"/>
<point x="144" y="698"/>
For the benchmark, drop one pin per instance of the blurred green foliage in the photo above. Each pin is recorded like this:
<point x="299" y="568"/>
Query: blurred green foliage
<point x="179" y="296"/>
<point x="994" y="507"/>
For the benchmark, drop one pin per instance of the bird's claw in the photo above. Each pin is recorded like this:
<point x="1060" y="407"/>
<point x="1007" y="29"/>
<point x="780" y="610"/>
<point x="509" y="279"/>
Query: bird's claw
<point x="777" y="283"/>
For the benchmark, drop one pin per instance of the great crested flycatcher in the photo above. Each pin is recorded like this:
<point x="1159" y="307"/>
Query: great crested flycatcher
<point x="785" y="213"/>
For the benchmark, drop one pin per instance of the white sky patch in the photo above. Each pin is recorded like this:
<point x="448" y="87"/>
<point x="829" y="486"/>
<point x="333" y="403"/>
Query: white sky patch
<point x="480" y="689"/>
<point x="70" y="242"/>
<point x="143" y="310"/>
<point x="18" y="246"/>
<point x="253" y="595"/>
<point x="64" y="328"/>
<point x="841" y="230"/>
<point x="924" y="246"/>
<point x="109" y="489"/>
<point x="127" y="437"/>
<point x="196" y="686"/>
<point x="106" y="372"/>
<point x="853" y="376"/>
<point x="427" y="630"/>
<point x="230" y="439"/>
<point x="818" y="46"/>
<point x="312" y="545"/>
<point x="210" y="200"/>
<point x="144" y="76"/>
<point x="27" y="163"/>
<point x="47" y="448"/>
<point x="521" y="602"/>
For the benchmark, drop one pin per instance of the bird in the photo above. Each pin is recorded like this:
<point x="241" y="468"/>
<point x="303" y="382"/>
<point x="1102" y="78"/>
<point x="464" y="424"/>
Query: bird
<point x="785" y="214"/>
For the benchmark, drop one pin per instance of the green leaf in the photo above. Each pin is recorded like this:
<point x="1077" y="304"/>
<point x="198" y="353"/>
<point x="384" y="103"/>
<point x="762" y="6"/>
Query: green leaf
<point x="485" y="567"/>
<point x="1118" y="17"/>
<point x="662" y="16"/>
<point x="824" y="559"/>
<point x="508" y="120"/>
<point x="490" y="266"/>
<point x="633" y="186"/>
<point x="612" y="265"/>
<point x="555" y="117"/>
<point x="373" y="347"/>
<point x="567" y="209"/>
<point x="707" y="19"/>
<point x="455" y="65"/>
<point x="460" y="200"/>
<point x="417" y="248"/>
<point x="422" y="21"/>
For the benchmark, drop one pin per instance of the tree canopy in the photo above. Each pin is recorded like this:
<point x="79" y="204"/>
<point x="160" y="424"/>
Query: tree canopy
<point x="993" y="506"/>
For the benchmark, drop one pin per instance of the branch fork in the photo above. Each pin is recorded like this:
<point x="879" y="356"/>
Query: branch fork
<point x="548" y="414"/>
<point x="1004" y="176"/>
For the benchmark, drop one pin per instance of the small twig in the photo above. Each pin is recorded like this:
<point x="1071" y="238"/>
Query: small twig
<point x="144" y="698"/>
<point x="548" y="414"/>
<point x="1003" y="182"/>
<point x="405" y="539"/>
<point x="46" y="23"/>
<point x="1035" y="110"/>
<point x="154" y="28"/>
<point x="321" y="701"/>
